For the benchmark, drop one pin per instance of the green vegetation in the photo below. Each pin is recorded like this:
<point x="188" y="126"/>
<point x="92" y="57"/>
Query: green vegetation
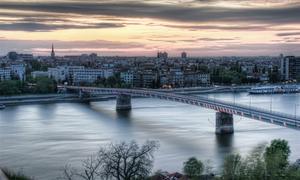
<point x="129" y="161"/>
<point x="41" y="85"/>
<point x="11" y="87"/>
<point x="193" y="168"/>
<point x="263" y="163"/>
<point x="234" y="75"/>
<point x="15" y="176"/>
<point x="111" y="82"/>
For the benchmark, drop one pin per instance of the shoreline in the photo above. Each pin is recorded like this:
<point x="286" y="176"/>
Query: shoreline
<point x="48" y="99"/>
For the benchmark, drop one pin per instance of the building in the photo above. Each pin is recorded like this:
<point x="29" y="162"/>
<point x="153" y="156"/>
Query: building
<point x="5" y="74"/>
<point x="107" y="72"/>
<point x="37" y="74"/>
<point x="203" y="79"/>
<point x="290" y="68"/>
<point x="52" y="52"/>
<point x="59" y="73"/>
<point x="148" y="79"/>
<point x="162" y="55"/>
<point x="127" y="77"/>
<point x="26" y="57"/>
<point x="18" y="71"/>
<point x="183" y="55"/>
<point x="87" y="76"/>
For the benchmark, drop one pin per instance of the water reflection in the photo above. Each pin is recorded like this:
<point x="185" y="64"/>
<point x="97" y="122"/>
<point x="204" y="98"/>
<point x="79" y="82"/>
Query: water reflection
<point x="124" y="114"/>
<point x="225" y="141"/>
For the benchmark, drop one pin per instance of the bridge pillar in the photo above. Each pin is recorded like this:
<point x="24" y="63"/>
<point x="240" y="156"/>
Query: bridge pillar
<point x="224" y="123"/>
<point x="123" y="102"/>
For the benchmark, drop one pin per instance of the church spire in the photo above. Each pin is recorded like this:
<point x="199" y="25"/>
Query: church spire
<point x="52" y="52"/>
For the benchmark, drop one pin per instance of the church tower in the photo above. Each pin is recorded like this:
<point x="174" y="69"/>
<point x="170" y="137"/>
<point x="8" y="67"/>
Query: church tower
<point x="52" y="52"/>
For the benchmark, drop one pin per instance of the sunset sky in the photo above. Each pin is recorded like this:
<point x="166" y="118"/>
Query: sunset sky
<point x="142" y="27"/>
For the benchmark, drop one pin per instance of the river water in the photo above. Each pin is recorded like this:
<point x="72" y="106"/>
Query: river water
<point x="40" y="140"/>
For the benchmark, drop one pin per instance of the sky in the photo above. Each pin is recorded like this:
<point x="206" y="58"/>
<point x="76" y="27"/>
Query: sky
<point x="143" y="27"/>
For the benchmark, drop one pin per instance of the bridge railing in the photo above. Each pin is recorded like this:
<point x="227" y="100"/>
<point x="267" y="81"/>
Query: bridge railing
<point x="147" y="93"/>
<point x="252" y="108"/>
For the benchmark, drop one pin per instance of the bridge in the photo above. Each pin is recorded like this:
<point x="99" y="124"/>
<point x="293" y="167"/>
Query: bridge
<point x="224" y="114"/>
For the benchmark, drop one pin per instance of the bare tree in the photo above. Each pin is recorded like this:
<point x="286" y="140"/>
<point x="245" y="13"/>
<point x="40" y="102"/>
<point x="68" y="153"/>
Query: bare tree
<point x="123" y="161"/>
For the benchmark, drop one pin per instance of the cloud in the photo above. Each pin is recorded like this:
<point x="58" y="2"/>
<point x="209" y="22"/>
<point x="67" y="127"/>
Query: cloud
<point x="288" y="34"/>
<point x="246" y="49"/>
<point x="31" y="26"/>
<point x="167" y="11"/>
<point x="66" y="47"/>
<point x="217" y="39"/>
<point x="219" y="27"/>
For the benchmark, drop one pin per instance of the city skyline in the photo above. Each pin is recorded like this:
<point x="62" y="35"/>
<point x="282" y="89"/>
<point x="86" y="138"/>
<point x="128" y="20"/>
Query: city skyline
<point x="141" y="28"/>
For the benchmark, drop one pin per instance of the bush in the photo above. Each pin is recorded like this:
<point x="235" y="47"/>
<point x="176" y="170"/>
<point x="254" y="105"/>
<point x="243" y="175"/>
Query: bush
<point x="193" y="167"/>
<point x="15" y="176"/>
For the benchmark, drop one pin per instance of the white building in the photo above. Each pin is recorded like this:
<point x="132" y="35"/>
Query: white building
<point x="36" y="74"/>
<point x="108" y="72"/>
<point x="59" y="73"/>
<point x="5" y="74"/>
<point x="87" y="75"/>
<point x="19" y="71"/>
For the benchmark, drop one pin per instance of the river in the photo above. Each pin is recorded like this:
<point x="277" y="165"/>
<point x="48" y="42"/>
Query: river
<point x="40" y="140"/>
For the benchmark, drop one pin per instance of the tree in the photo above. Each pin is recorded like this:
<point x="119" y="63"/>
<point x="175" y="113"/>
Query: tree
<point x="123" y="161"/>
<point x="45" y="85"/>
<point x="233" y="168"/>
<point x="276" y="158"/>
<point x="193" y="167"/>
<point x="11" y="87"/>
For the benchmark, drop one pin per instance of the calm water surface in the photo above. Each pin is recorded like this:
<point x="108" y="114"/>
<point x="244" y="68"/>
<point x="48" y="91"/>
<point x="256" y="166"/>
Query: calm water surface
<point x="40" y="139"/>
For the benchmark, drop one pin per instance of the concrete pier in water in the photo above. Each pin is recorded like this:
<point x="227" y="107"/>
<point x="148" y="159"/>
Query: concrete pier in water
<point x="123" y="102"/>
<point x="224" y="123"/>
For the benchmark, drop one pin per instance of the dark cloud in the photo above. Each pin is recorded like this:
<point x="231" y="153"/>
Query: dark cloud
<point x="288" y="34"/>
<point x="173" y="12"/>
<point x="32" y="26"/>
<point x="20" y="44"/>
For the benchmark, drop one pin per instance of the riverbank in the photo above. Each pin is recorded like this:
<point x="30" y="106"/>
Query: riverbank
<point x="48" y="99"/>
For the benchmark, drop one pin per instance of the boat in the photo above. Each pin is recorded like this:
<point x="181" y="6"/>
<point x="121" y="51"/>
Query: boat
<point x="275" y="89"/>
<point x="2" y="106"/>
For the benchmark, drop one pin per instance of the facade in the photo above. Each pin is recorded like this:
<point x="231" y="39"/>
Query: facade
<point x="162" y="55"/>
<point x="37" y="74"/>
<point x="290" y="68"/>
<point x="5" y="74"/>
<point x="183" y="55"/>
<point x="59" y="73"/>
<point x="108" y="72"/>
<point x="204" y="79"/>
<point x="19" y="71"/>
<point x="127" y="77"/>
<point x="26" y="57"/>
<point x="87" y="76"/>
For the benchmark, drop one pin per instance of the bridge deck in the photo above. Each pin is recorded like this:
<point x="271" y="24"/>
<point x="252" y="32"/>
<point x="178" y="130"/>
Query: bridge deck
<point x="264" y="115"/>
